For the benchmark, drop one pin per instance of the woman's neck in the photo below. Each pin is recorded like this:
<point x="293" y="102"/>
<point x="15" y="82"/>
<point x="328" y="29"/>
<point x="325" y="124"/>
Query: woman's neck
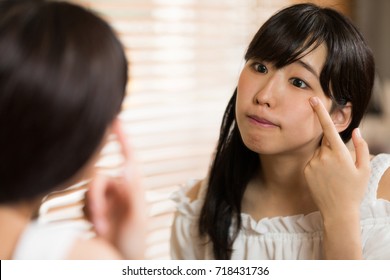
<point x="13" y="220"/>
<point x="285" y="173"/>
<point x="279" y="189"/>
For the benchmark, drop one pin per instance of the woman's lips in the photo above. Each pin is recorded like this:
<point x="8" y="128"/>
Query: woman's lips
<point x="261" y="121"/>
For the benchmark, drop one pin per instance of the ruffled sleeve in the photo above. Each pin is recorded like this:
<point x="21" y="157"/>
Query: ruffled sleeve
<point x="375" y="214"/>
<point x="185" y="241"/>
<point x="376" y="231"/>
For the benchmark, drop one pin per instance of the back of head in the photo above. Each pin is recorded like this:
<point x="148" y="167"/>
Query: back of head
<point x="348" y="73"/>
<point x="63" y="75"/>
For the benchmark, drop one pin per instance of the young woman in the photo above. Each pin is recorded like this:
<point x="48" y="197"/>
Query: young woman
<point x="63" y="74"/>
<point x="282" y="184"/>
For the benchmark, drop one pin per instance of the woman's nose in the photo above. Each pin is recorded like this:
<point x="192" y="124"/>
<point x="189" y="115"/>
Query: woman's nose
<point x="267" y="91"/>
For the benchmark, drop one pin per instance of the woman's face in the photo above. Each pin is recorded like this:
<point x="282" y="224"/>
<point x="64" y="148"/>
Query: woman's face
<point x="273" y="112"/>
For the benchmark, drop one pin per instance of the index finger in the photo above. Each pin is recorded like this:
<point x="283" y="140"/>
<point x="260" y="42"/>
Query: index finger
<point x="96" y="204"/>
<point x="128" y="165"/>
<point x="122" y="139"/>
<point x="330" y="132"/>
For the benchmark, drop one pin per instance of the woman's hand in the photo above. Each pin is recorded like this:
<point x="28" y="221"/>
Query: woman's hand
<point x="338" y="183"/>
<point x="116" y="206"/>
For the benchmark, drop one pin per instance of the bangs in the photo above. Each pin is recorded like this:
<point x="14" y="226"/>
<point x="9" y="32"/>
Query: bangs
<point x="287" y="37"/>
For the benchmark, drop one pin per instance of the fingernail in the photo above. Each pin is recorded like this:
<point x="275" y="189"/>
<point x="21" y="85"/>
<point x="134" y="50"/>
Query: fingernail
<point x="313" y="101"/>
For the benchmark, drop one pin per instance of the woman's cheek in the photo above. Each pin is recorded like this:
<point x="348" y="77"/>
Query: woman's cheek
<point x="305" y="117"/>
<point x="302" y="112"/>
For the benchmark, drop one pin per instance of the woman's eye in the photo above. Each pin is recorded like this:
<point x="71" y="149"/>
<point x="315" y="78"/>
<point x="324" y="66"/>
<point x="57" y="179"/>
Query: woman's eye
<point x="260" y="68"/>
<point x="298" y="83"/>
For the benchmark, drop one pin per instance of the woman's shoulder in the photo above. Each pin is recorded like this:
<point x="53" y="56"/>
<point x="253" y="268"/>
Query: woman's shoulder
<point x="189" y="198"/>
<point x="185" y="241"/>
<point x="194" y="191"/>
<point x="94" y="248"/>
<point x="381" y="165"/>
<point x="46" y="240"/>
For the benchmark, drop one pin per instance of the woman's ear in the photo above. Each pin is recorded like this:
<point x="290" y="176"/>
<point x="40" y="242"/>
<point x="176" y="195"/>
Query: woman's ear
<point x="341" y="116"/>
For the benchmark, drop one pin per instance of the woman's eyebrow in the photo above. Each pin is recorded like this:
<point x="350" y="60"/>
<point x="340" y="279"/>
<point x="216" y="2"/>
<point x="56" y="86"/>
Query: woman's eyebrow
<point x="308" y="67"/>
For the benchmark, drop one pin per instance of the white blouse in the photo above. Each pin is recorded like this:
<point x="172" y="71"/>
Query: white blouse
<point x="41" y="241"/>
<point x="289" y="238"/>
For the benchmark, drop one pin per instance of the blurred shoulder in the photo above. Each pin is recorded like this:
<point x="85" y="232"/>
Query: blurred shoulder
<point x="94" y="248"/>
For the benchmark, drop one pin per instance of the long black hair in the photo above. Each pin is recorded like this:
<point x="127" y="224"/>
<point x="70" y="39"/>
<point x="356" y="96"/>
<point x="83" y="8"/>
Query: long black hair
<point x="347" y="76"/>
<point x="63" y="75"/>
